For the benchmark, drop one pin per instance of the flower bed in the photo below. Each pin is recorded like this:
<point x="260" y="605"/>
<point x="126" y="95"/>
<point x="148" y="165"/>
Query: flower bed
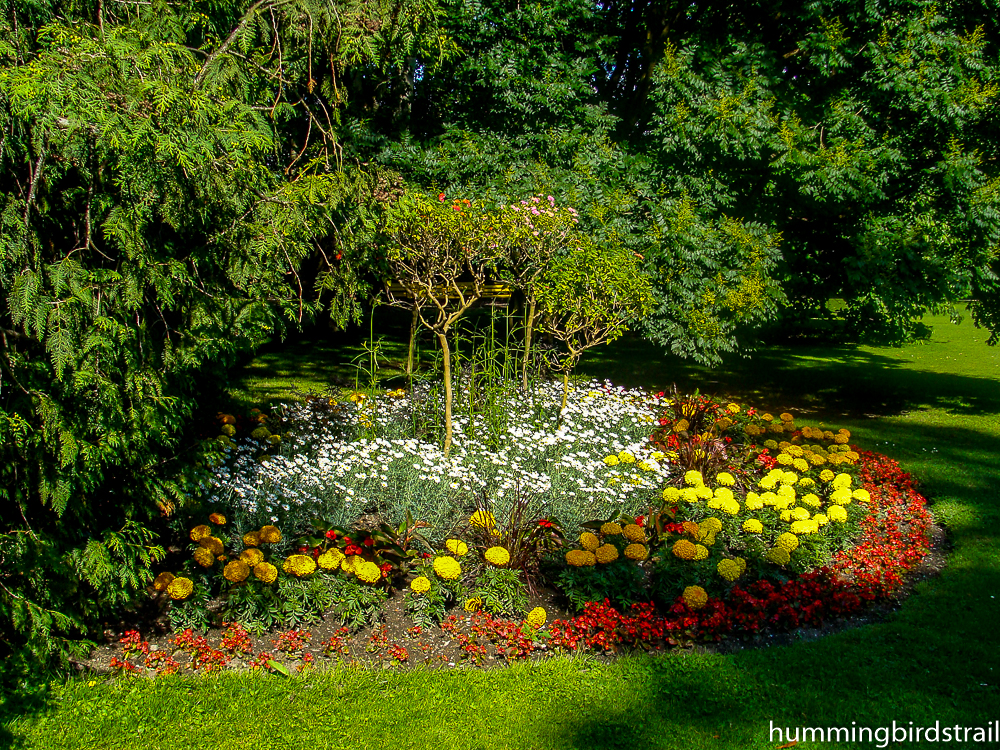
<point x="725" y="522"/>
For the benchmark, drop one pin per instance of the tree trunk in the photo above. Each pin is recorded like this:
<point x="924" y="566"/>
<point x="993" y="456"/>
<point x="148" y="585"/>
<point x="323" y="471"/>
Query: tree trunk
<point x="446" y="352"/>
<point x="529" y="326"/>
<point x="413" y="343"/>
<point x="565" y="392"/>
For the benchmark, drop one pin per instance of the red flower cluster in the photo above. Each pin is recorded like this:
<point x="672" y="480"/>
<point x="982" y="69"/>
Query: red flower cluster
<point x="291" y="642"/>
<point x="202" y="655"/>
<point x="337" y="643"/>
<point x="236" y="640"/>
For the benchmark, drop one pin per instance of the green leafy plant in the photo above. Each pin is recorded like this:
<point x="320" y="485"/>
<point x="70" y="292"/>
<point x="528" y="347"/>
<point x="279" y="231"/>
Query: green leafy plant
<point x="501" y="591"/>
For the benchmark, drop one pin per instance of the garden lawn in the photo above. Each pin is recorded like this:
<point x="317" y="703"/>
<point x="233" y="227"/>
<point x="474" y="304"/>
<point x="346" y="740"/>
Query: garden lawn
<point x="934" y="406"/>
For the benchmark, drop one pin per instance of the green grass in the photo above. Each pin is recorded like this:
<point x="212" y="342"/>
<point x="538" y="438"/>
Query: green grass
<point x="935" y="406"/>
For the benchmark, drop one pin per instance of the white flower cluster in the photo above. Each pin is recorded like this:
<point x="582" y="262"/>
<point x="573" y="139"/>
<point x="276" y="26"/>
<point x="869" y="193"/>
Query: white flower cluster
<point x="339" y="461"/>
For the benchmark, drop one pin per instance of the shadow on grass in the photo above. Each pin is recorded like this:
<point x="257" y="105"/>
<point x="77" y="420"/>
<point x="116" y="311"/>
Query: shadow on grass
<point x="28" y="700"/>
<point x="822" y="380"/>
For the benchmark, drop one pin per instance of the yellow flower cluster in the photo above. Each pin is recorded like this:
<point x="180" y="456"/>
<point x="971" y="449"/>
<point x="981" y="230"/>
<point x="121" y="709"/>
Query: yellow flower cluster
<point x="634" y="533"/>
<point x="694" y="478"/>
<point x="218" y="519"/>
<point x="368" y="571"/>
<point x="695" y="597"/>
<point x="332" y="559"/>
<point x="837" y="513"/>
<point x="456" y="547"/>
<point x="498" y="556"/>
<point x="447" y="567"/>
<point x="788" y="542"/>
<point x="212" y="544"/>
<point x="606" y="553"/>
<point x="753" y="526"/>
<point x="420" y="584"/>
<point x="482" y="519"/>
<point x="708" y="529"/>
<point x="536" y="618"/>
<point x="589" y="541"/>
<point x="778" y="556"/>
<point x="700" y="552"/>
<point x="731" y="569"/>
<point x="163" y="580"/>
<point x="236" y="571"/>
<point x="265" y="572"/>
<point x="299" y="565"/>
<point x="199" y="531"/>
<point x="270" y="535"/>
<point x="204" y="557"/>
<point x="611" y="529"/>
<point x="252" y="556"/>
<point x="580" y="558"/>
<point x="684" y="549"/>
<point x="180" y="588"/>
<point x="636" y="551"/>
<point x="251" y="539"/>
<point x="474" y="604"/>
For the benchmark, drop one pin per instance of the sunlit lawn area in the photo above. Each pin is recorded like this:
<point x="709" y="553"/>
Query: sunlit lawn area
<point x="934" y="406"/>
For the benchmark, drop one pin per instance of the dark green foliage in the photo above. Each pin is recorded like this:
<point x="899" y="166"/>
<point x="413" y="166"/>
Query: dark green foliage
<point x="621" y="581"/>
<point x="357" y="604"/>
<point x="428" y="609"/>
<point x="502" y="592"/>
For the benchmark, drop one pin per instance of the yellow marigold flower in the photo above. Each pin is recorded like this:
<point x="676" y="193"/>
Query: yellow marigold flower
<point x="701" y="551"/>
<point x="842" y="496"/>
<point x="474" y="604"/>
<point x="702" y="492"/>
<point x="684" y="549"/>
<point x="200" y="531"/>
<point x="498" y="556"/>
<point x="841" y="439"/>
<point x="806" y="483"/>
<point x="580" y="558"/>
<point x="180" y="588"/>
<point x="714" y="525"/>
<point x="689" y="495"/>
<point x="331" y="559"/>
<point x="212" y="543"/>
<point x="800" y="464"/>
<point x="753" y="526"/>
<point x="163" y="580"/>
<point x="767" y="417"/>
<point x="837" y="513"/>
<point x="204" y="557"/>
<point x="236" y="571"/>
<point x="778" y="556"/>
<point x="800" y="514"/>
<point x="862" y="495"/>
<point x="817" y="459"/>
<point x="671" y="494"/>
<point x="682" y="425"/>
<point x="634" y="533"/>
<point x="251" y="539"/>
<point x="606" y="553"/>
<point x="694" y="478"/>
<point x="420" y="584"/>
<point x="786" y="516"/>
<point x="611" y="460"/>
<point x="695" y="597"/>
<point x="768" y="483"/>
<point x="804" y="526"/>
<point x="786" y="417"/>
<point x="784" y="459"/>
<point x="725" y="479"/>
<point x="589" y="541"/>
<point x="842" y="481"/>
<point x="350" y="562"/>
<point x="299" y="565"/>
<point x="626" y="458"/>
<point x="536" y="618"/>
<point x="265" y="572"/>
<point x="826" y="475"/>
<point x="252" y="556"/>
<point x="218" y="519"/>
<point x="482" y="519"/>
<point x="368" y="572"/>
<point x="260" y="433"/>
<point x="729" y="569"/>
<point x="752" y="430"/>
<point x="447" y="567"/>
<point x="733" y="408"/>
<point x="770" y="444"/>
<point x="636" y="551"/>
<point x="692" y="528"/>
<point x="753" y="501"/>
<point x="270" y="534"/>
<point x="456" y="547"/>
<point x="794" y="451"/>
<point x="611" y="529"/>
<point x="788" y="542"/>
<point x="820" y="519"/>
<point x="723" y="493"/>
<point x="812" y="500"/>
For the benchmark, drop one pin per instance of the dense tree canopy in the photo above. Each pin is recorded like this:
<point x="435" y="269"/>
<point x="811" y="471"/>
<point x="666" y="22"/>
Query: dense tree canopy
<point x="182" y="179"/>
